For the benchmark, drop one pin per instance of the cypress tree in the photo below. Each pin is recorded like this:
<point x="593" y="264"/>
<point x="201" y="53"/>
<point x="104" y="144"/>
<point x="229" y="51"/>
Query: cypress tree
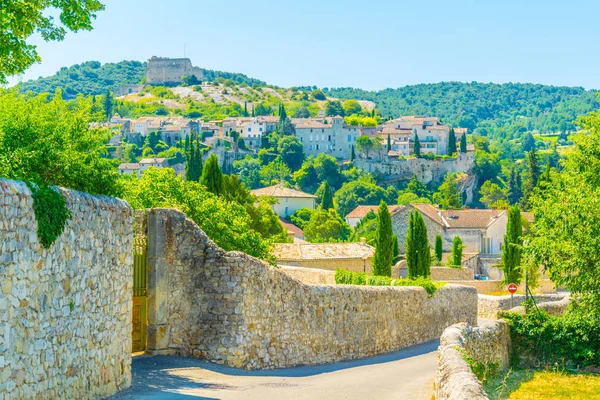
<point x="107" y="104"/>
<point x="187" y="143"/>
<point x="384" y="247"/>
<point x="389" y="143"/>
<point x="353" y="154"/>
<point x="451" y="142"/>
<point x="193" y="167"/>
<point x="511" y="249"/>
<point x="533" y="175"/>
<point x="438" y="248"/>
<point x="514" y="192"/>
<point x="245" y="109"/>
<point x="457" y="248"/>
<point x="326" y="196"/>
<point x="253" y="110"/>
<point x="463" y="143"/>
<point x="396" y="248"/>
<point x="418" y="257"/>
<point x="212" y="176"/>
<point x="417" y="147"/>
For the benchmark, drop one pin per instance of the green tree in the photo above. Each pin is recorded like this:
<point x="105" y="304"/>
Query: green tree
<point x="492" y="195"/>
<point x="352" y="154"/>
<point x="417" y="146"/>
<point x="326" y="226"/>
<point x="49" y="142"/>
<point x="292" y="151"/>
<point x="22" y="19"/>
<point x="389" y="143"/>
<point x="514" y="191"/>
<point x="528" y="142"/>
<point x="448" y="197"/>
<point x="438" y="248"/>
<point x="451" y="142"/>
<point x="301" y="217"/>
<point x="363" y="191"/>
<point x="351" y="107"/>
<point x="418" y="256"/>
<point x="512" y="247"/>
<point x="107" y="104"/>
<point x="533" y="174"/>
<point x="212" y="176"/>
<point x="193" y="167"/>
<point x="325" y="196"/>
<point x="248" y="170"/>
<point x="366" y="228"/>
<point x="463" y="143"/>
<point x="384" y="245"/>
<point x="318" y="94"/>
<point x="334" y="108"/>
<point x="457" y="249"/>
<point x="275" y="172"/>
<point x="364" y="144"/>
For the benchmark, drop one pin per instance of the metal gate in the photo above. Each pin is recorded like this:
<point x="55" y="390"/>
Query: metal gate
<point x="140" y="293"/>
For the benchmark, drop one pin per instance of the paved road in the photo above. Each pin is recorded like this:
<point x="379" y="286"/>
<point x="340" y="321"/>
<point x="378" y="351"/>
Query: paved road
<point x="405" y="374"/>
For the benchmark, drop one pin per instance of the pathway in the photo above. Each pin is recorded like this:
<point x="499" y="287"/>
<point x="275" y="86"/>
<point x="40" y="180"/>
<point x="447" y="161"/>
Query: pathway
<point x="405" y="374"/>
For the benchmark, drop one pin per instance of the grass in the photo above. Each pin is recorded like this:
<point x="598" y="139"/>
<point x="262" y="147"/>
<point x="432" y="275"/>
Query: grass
<point x="530" y="385"/>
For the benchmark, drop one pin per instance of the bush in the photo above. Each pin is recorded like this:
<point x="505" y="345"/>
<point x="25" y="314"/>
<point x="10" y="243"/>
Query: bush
<point x="345" y="277"/>
<point x="374" y="280"/>
<point x="572" y="339"/>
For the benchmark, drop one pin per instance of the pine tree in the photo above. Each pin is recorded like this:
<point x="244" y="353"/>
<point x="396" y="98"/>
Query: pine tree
<point x="352" y="154"/>
<point x="457" y="249"/>
<point x="463" y="143"/>
<point x="212" y="176"/>
<point x="418" y="257"/>
<point x="384" y="247"/>
<point x="326" y="193"/>
<point x="417" y="147"/>
<point x="511" y="249"/>
<point x="389" y="143"/>
<point x="438" y="248"/>
<point x="451" y="142"/>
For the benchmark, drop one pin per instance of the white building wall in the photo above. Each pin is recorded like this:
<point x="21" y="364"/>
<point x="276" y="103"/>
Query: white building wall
<point x="286" y="206"/>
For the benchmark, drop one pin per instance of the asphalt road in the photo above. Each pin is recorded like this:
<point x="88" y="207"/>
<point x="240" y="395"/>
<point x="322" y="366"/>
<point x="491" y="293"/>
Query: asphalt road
<point x="405" y="374"/>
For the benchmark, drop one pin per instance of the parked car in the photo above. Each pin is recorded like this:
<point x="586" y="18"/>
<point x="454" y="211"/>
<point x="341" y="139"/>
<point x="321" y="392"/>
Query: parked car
<point x="478" y="277"/>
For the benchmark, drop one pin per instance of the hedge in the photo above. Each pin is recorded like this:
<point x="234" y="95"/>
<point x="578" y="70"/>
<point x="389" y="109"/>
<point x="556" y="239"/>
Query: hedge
<point x="345" y="277"/>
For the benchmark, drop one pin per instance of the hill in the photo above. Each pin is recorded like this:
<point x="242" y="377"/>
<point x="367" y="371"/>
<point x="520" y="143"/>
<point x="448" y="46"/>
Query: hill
<point x="497" y="110"/>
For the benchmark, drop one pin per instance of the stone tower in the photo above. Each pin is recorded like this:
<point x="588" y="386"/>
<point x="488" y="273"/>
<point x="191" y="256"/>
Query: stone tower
<point x="163" y="70"/>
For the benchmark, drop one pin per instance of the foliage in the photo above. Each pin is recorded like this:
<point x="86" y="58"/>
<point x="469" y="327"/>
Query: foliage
<point x="301" y="217"/>
<point x="51" y="213"/>
<point x="363" y="191"/>
<point x="325" y="196"/>
<point x="366" y="228"/>
<point x="21" y="20"/>
<point x="365" y="145"/>
<point x="451" y="142"/>
<point x="512" y="248"/>
<point x="291" y="151"/>
<point x="384" y="245"/>
<point x="448" y="196"/>
<point x="318" y="94"/>
<point x="533" y="175"/>
<point x="227" y="223"/>
<point x="48" y="142"/>
<point x="495" y="110"/>
<point x="417" y="146"/>
<point x="318" y="169"/>
<point x="565" y="237"/>
<point x="457" y="250"/>
<point x="275" y="172"/>
<point x="345" y="277"/>
<point x="483" y="371"/>
<point x="572" y="339"/>
<point x="326" y="226"/>
<point x="438" y="248"/>
<point x="334" y="108"/>
<point x="248" y="170"/>
<point x="351" y="107"/>
<point x="492" y="195"/>
<point x="193" y="167"/>
<point x="360" y="120"/>
<point x="463" y="143"/>
<point x="418" y="256"/>
<point x="212" y="176"/>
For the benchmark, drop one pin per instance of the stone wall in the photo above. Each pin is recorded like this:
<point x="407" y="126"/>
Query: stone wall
<point x="487" y="344"/>
<point x="357" y="265"/>
<point x="489" y="306"/>
<point x="233" y="309"/>
<point x="65" y="312"/>
<point x="310" y="275"/>
<point x="451" y="274"/>
<point x="495" y="286"/>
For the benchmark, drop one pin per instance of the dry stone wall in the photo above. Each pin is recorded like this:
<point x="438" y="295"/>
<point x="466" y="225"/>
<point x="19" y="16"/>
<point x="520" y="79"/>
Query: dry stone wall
<point x="233" y="309"/>
<point x="65" y="312"/>
<point x="487" y="344"/>
<point x="451" y="274"/>
<point x="310" y="275"/>
<point x="488" y="307"/>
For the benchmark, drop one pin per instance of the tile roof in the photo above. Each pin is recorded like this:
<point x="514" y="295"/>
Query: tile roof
<point x="361" y="211"/>
<point x="453" y="219"/>
<point x="280" y="191"/>
<point x="152" y="160"/>
<point x="292" y="229"/>
<point x="129" y="166"/>
<point x="322" y="251"/>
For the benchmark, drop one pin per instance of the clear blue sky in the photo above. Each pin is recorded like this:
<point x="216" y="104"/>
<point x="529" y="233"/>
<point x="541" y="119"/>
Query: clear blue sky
<point x="364" y="44"/>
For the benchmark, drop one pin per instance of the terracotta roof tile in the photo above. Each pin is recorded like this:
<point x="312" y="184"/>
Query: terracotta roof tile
<point x="453" y="219"/>
<point x="362" y="211"/>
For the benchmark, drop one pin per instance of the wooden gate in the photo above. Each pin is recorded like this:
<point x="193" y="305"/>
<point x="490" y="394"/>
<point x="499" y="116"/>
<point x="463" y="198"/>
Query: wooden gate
<point x="140" y="293"/>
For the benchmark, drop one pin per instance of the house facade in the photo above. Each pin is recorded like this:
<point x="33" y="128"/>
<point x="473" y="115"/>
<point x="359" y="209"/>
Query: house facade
<point x="146" y="163"/>
<point x="330" y="136"/>
<point x="288" y="200"/>
<point x="356" y="215"/>
<point x="355" y="257"/>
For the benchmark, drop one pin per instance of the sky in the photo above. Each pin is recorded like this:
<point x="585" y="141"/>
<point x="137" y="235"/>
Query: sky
<point x="365" y="44"/>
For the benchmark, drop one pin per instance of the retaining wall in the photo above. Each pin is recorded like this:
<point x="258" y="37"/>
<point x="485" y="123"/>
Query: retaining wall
<point x="487" y="344"/>
<point x="489" y="306"/>
<point x="310" y="275"/>
<point x="451" y="274"/>
<point x="233" y="309"/>
<point x="65" y="312"/>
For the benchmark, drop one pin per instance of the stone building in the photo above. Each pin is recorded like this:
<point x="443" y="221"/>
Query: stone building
<point x="481" y="231"/>
<point x="351" y="256"/>
<point x="288" y="200"/>
<point x="356" y="215"/>
<point x="164" y="70"/>
<point x="330" y="136"/>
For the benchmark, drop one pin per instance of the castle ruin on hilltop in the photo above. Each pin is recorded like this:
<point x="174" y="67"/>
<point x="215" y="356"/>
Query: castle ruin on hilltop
<point x="164" y="70"/>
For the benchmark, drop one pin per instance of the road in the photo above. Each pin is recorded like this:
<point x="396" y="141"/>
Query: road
<point x="405" y="374"/>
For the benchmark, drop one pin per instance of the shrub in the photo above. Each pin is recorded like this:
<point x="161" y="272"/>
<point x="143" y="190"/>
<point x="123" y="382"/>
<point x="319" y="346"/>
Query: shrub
<point x="374" y="280"/>
<point x="345" y="277"/>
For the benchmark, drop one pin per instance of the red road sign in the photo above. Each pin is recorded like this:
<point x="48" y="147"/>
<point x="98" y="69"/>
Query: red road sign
<point x="512" y="288"/>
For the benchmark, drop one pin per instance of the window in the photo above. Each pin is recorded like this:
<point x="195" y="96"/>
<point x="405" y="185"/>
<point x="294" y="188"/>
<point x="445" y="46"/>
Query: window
<point x="317" y="147"/>
<point x="260" y="129"/>
<point x="349" y="138"/>
<point x="311" y="138"/>
<point x="322" y="138"/>
<point x="249" y="129"/>
<point x="311" y="130"/>
<point x="310" y="146"/>
<point x="329" y="138"/>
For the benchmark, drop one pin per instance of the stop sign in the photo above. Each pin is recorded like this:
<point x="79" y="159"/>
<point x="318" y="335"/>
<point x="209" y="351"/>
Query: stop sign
<point x="512" y="288"/>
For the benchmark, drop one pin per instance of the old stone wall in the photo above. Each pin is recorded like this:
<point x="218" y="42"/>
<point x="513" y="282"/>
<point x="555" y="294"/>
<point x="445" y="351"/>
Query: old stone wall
<point x="495" y="286"/>
<point x="451" y="274"/>
<point x="488" y="307"/>
<point x="233" y="309"/>
<point x="487" y="344"/>
<point x="332" y="264"/>
<point x="310" y="275"/>
<point x="65" y="312"/>
<point x="426" y="170"/>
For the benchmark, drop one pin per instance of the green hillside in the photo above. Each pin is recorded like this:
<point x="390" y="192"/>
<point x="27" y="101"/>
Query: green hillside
<point x="499" y="110"/>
